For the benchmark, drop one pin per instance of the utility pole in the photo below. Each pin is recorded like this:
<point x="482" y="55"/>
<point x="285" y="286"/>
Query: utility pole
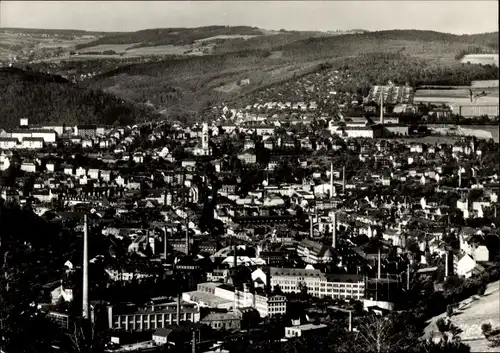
<point x="178" y="299"/>
<point x="379" y="265"/>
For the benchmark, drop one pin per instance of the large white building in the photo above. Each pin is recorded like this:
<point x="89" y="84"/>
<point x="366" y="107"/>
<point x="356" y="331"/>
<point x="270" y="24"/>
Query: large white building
<point x="219" y="295"/>
<point x="318" y="284"/>
<point x="152" y="317"/>
<point x="371" y="131"/>
<point x="48" y="136"/>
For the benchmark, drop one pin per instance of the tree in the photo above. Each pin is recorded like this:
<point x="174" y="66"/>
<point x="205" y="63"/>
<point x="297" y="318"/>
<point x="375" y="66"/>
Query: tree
<point x="449" y="310"/>
<point x="85" y="338"/>
<point x="442" y="325"/>
<point x="486" y="328"/>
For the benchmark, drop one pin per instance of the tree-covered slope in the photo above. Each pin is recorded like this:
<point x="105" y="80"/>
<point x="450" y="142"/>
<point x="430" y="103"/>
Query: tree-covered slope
<point x="51" y="99"/>
<point x="425" y="44"/>
<point x="173" y="36"/>
<point x="186" y="84"/>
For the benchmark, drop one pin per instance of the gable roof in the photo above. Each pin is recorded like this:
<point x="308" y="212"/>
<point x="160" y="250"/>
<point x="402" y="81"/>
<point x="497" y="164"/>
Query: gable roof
<point x="162" y="332"/>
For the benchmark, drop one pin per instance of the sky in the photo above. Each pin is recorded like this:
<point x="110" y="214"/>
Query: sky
<point x="459" y="17"/>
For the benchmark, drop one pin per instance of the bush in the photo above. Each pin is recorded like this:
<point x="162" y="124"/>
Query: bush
<point x="442" y="325"/>
<point x="449" y="310"/>
<point x="486" y="328"/>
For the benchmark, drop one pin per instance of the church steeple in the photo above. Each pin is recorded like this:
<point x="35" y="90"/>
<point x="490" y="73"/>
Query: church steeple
<point x="205" y="137"/>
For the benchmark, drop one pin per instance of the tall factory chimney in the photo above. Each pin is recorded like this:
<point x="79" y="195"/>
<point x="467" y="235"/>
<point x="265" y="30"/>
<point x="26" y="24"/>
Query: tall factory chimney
<point x="382" y="107"/>
<point x="165" y="243"/>
<point x="446" y="270"/>
<point x="334" y="231"/>
<point x="343" y="179"/>
<point x="85" y="291"/>
<point x="332" y="188"/>
<point x="178" y="309"/>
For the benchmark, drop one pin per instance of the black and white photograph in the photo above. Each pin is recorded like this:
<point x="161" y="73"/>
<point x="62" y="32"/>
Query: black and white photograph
<point x="249" y="176"/>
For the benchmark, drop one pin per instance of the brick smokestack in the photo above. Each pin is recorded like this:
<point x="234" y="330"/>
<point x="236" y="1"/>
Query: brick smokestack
<point x="165" y="243"/>
<point x="334" y="231"/>
<point x="85" y="289"/>
<point x="343" y="180"/>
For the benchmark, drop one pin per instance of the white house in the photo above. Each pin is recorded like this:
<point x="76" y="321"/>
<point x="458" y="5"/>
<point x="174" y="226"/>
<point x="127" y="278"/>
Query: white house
<point x="80" y="171"/>
<point x="93" y="174"/>
<point x="28" y="167"/>
<point x="7" y="143"/>
<point x="50" y="167"/>
<point x="87" y="143"/>
<point x="464" y="266"/>
<point x="60" y="292"/>
<point x="106" y="175"/>
<point x="160" y="336"/>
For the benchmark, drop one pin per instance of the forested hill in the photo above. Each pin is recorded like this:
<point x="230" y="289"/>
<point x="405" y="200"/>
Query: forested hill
<point x="425" y="44"/>
<point x="172" y="36"/>
<point x="188" y="84"/>
<point x="482" y="39"/>
<point x="47" y="98"/>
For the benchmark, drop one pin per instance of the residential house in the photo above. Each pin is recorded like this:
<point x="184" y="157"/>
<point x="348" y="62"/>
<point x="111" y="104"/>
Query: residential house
<point x="8" y="143"/>
<point x="248" y="157"/>
<point x="93" y="174"/>
<point x="221" y="320"/>
<point x="160" y="336"/>
<point x="465" y="266"/>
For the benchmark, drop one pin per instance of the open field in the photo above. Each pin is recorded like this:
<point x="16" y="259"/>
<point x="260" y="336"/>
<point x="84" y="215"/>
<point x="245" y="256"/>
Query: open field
<point x="472" y="313"/>
<point x="13" y="44"/>
<point x="430" y="140"/>
<point x="459" y="96"/>
<point x="118" y="48"/>
<point x="454" y="101"/>
<point x="234" y="36"/>
<point x="159" y="50"/>
<point x="483" y="59"/>
<point x="229" y="88"/>
<point x="481" y="131"/>
<point x="127" y="50"/>
<point x="485" y="84"/>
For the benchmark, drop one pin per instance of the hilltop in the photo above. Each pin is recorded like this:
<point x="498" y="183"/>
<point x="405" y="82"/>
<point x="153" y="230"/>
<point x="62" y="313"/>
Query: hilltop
<point x="187" y="84"/>
<point x="52" y="99"/>
<point x="173" y="36"/>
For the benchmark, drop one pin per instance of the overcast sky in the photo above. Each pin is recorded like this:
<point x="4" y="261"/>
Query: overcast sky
<point x="445" y="16"/>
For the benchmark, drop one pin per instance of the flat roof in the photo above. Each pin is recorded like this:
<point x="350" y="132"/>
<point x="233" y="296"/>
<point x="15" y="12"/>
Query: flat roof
<point x="307" y="327"/>
<point x="208" y="298"/>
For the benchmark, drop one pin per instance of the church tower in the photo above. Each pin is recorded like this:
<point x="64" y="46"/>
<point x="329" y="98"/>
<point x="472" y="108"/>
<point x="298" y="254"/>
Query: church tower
<point x="205" y="137"/>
